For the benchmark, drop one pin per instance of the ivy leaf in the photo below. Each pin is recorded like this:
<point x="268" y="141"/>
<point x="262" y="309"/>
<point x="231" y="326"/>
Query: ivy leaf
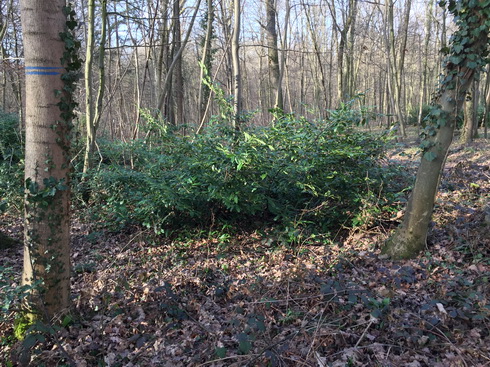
<point x="71" y="24"/>
<point x="455" y="59"/>
<point x="220" y="352"/>
<point x="244" y="345"/>
<point x="425" y="143"/>
<point x="430" y="156"/>
<point x="458" y="48"/>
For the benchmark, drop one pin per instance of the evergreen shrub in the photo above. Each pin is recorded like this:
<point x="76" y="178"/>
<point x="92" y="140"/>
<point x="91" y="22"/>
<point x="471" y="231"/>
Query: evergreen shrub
<point x="11" y="161"/>
<point x="323" y="174"/>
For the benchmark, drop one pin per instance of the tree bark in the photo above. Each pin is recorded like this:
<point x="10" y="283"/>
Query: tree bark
<point x="486" y="114"/>
<point x="469" y="116"/>
<point x="428" y="30"/>
<point x="410" y="238"/>
<point x="178" y="79"/>
<point x="176" y="58"/>
<point x="88" y="74"/>
<point x="343" y="77"/>
<point x="237" y="83"/>
<point x="225" y="20"/>
<point x="206" y="63"/>
<point x="318" y="57"/>
<point x="400" y="74"/>
<point x="93" y="113"/>
<point x="47" y="226"/>
<point x="394" y="73"/>
<point x="282" y="67"/>
<point x="350" y="74"/>
<point x="273" y="54"/>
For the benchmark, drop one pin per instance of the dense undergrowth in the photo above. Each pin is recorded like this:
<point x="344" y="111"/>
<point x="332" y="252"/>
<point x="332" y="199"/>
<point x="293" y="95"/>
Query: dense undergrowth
<point x="295" y="173"/>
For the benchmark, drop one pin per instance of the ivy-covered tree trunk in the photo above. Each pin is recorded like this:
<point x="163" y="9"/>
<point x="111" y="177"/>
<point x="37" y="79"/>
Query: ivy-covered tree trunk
<point x="48" y="113"/>
<point x="469" y="49"/>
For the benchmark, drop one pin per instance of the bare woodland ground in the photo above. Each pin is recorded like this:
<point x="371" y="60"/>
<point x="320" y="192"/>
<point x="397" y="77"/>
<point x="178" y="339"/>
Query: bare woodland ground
<point x="249" y="301"/>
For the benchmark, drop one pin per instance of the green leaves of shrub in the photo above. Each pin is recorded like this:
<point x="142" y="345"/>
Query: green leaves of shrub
<point x="295" y="170"/>
<point x="11" y="162"/>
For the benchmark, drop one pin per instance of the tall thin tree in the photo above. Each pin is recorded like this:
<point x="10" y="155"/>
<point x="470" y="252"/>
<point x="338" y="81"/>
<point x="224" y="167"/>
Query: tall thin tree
<point x="93" y="106"/>
<point x="425" y="62"/>
<point x="237" y="77"/>
<point x="273" y="53"/>
<point x="206" y="61"/>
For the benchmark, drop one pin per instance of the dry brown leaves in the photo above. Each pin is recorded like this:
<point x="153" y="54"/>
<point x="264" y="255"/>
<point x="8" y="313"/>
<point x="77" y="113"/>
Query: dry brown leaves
<point x="248" y="301"/>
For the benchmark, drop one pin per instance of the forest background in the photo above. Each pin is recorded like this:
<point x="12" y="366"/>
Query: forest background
<point x="236" y="123"/>
<point x="319" y="53"/>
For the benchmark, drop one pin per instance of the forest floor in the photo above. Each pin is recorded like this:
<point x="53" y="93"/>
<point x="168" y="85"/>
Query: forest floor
<point x="249" y="300"/>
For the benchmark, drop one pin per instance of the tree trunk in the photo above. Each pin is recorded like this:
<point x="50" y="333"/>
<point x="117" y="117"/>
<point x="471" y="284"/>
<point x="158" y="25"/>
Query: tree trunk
<point x="161" y="55"/>
<point x="4" y="24"/>
<point x="469" y="116"/>
<point x="273" y="54"/>
<point x="344" y="42"/>
<point x="428" y="30"/>
<point x="206" y="63"/>
<point x="350" y="74"/>
<point x="225" y="18"/>
<point x="178" y="79"/>
<point x="282" y="67"/>
<point x="476" y="99"/>
<point x="237" y="84"/>
<point x="47" y="225"/>
<point x="165" y="85"/>
<point x="486" y="115"/>
<point x="93" y="113"/>
<point x="400" y="75"/>
<point x="16" y="79"/>
<point x="410" y="238"/>
<point x="88" y="74"/>
<point x="318" y="57"/>
<point x="393" y="71"/>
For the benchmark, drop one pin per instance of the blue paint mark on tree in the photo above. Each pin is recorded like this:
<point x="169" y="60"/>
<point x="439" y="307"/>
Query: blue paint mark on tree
<point x="43" y="70"/>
